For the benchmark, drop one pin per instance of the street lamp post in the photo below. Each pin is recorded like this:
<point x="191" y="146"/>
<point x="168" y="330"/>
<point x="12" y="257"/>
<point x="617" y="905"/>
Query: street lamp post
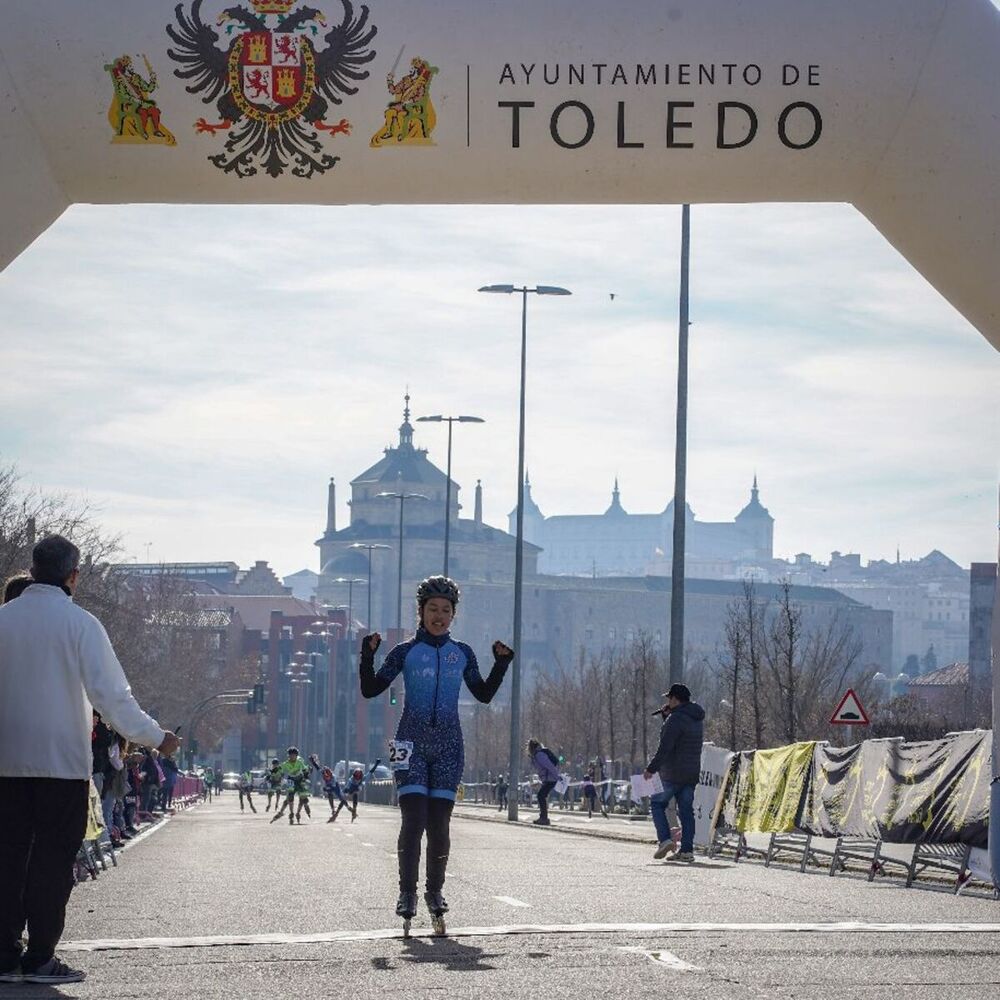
<point x="402" y="498"/>
<point x="298" y="676"/>
<point x="515" y="690"/>
<point x="350" y="581"/>
<point x="438" y="418"/>
<point x="371" y="549"/>
<point x="680" y="465"/>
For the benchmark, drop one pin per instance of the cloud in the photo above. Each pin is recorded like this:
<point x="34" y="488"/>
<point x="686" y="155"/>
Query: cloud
<point x="201" y="372"/>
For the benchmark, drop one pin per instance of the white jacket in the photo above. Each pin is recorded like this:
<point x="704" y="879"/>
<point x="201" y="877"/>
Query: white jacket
<point x="56" y="661"/>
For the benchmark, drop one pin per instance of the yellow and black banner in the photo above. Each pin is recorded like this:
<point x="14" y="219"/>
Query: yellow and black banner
<point x="931" y="792"/>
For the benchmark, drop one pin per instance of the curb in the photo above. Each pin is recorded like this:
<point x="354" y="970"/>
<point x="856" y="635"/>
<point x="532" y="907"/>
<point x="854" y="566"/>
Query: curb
<point x="594" y="835"/>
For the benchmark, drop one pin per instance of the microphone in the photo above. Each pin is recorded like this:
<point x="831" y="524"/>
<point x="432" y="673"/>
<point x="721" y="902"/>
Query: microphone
<point x="661" y="711"/>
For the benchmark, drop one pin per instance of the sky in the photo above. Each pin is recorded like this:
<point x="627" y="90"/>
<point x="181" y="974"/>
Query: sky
<point x="199" y="373"/>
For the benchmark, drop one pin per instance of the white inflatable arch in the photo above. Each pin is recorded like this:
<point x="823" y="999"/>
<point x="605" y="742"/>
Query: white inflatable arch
<point x="891" y="105"/>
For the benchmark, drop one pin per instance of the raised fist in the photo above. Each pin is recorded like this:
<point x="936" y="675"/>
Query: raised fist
<point x="501" y="651"/>
<point x="371" y="643"/>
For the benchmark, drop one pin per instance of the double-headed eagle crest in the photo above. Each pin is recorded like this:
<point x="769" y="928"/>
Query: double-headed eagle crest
<point x="272" y="86"/>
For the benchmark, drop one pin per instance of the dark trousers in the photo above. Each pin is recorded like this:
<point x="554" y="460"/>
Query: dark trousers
<point x="42" y="823"/>
<point x="543" y="799"/>
<point x="423" y="814"/>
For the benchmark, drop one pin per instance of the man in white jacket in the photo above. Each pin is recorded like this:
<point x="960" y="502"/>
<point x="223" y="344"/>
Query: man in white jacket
<point x="56" y="664"/>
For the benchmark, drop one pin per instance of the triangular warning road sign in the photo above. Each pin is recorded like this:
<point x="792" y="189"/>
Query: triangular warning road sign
<point x="849" y="712"/>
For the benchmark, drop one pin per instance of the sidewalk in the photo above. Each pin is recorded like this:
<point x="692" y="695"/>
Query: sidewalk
<point x="632" y="830"/>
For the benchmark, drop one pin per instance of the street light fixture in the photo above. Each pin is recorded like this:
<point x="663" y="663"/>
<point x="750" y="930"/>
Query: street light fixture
<point x="402" y="498"/>
<point x="515" y="691"/>
<point x="371" y="548"/>
<point x="438" y="418"/>
<point x="350" y="581"/>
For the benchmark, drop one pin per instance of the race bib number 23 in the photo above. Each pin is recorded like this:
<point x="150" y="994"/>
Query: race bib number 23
<point x="400" y="752"/>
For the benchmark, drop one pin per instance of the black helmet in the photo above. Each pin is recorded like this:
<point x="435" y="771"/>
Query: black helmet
<point x="438" y="586"/>
<point x="292" y="750"/>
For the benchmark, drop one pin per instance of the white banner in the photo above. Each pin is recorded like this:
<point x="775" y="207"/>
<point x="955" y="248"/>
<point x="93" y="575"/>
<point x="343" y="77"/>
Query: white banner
<point x="714" y="767"/>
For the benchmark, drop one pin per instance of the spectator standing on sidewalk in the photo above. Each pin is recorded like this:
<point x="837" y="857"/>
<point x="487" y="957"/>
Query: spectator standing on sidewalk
<point x="678" y="762"/>
<point x="56" y="663"/>
<point x="501" y="793"/>
<point x="547" y="765"/>
<point x="170" y="770"/>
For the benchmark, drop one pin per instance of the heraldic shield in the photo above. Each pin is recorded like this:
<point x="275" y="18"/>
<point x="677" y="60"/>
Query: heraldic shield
<point x="272" y="71"/>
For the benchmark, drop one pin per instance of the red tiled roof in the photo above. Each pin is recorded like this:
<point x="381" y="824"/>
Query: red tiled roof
<point x="255" y="611"/>
<point x="954" y="675"/>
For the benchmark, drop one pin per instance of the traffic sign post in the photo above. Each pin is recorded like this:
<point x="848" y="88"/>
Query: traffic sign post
<point x="849" y="712"/>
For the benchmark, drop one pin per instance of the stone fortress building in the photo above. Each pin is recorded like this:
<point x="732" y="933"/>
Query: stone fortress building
<point x="591" y="581"/>
<point x="617" y="543"/>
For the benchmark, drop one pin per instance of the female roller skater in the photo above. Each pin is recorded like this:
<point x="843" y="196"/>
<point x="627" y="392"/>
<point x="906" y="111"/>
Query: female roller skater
<point x="428" y="754"/>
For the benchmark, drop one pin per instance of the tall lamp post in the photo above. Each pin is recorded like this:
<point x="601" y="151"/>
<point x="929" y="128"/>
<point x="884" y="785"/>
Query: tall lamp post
<point x="438" y="418"/>
<point x="514" y="763"/>
<point x="298" y="677"/>
<point x="371" y="548"/>
<point x="350" y="581"/>
<point x="402" y="498"/>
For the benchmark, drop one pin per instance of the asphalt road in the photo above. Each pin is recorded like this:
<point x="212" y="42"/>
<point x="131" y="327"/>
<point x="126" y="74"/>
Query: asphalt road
<point x="221" y="904"/>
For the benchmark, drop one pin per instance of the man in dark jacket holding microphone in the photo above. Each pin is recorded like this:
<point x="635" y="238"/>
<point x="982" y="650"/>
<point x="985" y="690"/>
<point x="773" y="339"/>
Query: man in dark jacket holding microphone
<point x="678" y="762"/>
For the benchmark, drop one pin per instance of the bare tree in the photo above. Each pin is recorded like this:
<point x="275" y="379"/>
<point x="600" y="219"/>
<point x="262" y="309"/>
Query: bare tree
<point x="781" y="654"/>
<point x="753" y="618"/>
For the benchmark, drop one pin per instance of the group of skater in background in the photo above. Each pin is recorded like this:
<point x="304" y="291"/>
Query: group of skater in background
<point x="288" y="787"/>
<point x="426" y="757"/>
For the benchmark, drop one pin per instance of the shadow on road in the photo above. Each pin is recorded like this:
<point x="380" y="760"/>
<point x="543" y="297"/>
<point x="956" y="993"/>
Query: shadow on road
<point x="703" y="865"/>
<point x="31" y="991"/>
<point x="448" y="953"/>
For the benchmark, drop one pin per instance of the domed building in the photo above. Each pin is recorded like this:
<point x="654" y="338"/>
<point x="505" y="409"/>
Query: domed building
<point x="477" y="551"/>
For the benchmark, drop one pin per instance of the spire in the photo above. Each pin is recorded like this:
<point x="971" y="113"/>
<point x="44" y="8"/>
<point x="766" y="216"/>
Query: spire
<point x="754" y="493"/>
<point x="406" y="428"/>
<point x="616" y="504"/>
<point x="479" y="501"/>
<point x="331" y="508"/>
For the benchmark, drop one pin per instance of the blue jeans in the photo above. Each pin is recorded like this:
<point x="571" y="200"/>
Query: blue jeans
<point x="684" y="794"/>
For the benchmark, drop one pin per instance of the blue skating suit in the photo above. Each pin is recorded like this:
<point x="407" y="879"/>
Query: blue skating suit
<point x="433" y="669"/>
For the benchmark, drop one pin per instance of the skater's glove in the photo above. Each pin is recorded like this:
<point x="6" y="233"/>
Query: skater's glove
<point x="502" y="655"/>
<point x="369" y="646"/>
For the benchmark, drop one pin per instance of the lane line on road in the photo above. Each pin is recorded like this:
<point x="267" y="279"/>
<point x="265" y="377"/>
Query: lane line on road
<point x="510" y="900"/>
<point x="667" y="958"/>
<point x="331" y="937"/>
<point x="140" y="837"/>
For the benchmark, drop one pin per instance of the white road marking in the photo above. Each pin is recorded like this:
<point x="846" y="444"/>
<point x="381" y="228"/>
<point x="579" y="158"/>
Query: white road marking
<point x="330" y="937"/>
<point x="512" y="901"/>
<point x="364" y="843"/>
<point x="139" y="837"/>
<point x="667" y="958"/>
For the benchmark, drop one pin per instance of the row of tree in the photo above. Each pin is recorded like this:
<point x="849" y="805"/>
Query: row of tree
<point x="774" y="681"/>
<point x="172" y="660"/>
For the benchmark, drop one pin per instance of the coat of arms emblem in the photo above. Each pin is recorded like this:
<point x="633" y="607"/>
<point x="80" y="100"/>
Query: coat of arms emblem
<point x="273" y="81"/>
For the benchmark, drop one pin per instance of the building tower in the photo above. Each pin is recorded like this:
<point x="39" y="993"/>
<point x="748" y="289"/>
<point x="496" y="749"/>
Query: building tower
<point x="756" y="525"/>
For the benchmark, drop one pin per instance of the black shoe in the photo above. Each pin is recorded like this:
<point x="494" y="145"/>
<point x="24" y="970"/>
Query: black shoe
<point x="406" y="905"/>
<point x="435" y="903"/>
<point x="55" y="972"/>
